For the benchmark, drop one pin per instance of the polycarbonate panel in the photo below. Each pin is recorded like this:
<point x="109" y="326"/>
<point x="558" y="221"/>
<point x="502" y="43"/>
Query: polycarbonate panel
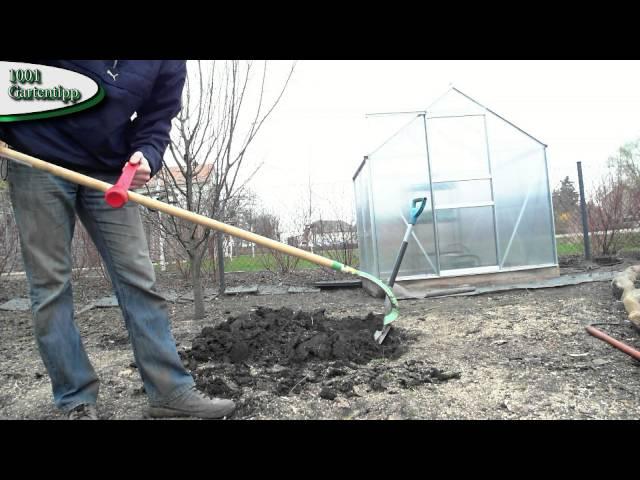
<point x="457" y="148"/>
<point x="454" y="103"/>
<point x="452" y="193"/>
<point x="366" y="245"/>
<point x="379" y="128"/>
<point x="466" y="238"/>
<point x="521" y="194"/>
<point x="400" y="173"/>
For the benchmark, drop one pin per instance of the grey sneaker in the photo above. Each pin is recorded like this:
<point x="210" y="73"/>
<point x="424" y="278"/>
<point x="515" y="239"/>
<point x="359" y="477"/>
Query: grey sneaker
<point x="83" y="412"/>
<point x="193" y="403"/>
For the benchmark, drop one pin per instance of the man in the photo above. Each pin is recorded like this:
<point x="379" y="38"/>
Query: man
<point x="131" y="124"/>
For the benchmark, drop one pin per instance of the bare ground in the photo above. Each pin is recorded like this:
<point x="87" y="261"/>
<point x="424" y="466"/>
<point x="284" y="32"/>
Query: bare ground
<point x="516" y="355"/>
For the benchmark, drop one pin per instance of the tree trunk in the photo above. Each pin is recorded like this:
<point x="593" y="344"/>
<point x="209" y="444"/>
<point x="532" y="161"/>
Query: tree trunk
<point x="196" y="281"/>
<point x="220" y="252"/>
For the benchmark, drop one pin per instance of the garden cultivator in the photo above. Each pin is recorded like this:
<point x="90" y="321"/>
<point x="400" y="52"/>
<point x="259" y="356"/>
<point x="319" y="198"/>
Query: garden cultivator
<point x="118" y="194"/>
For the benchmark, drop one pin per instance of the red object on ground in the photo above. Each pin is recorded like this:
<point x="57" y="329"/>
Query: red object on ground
<point x="612" y="341"/>
<point x="117" y="195"/>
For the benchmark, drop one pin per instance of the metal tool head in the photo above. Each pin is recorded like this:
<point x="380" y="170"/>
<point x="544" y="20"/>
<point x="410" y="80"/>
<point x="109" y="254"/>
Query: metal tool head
<point x="380" y="335"/>
<point x="390" y="306"/>
<point x="390" y="301"/>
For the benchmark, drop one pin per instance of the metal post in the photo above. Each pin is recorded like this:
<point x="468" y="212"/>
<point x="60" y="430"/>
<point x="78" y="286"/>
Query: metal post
<point x="436" y="241"/>
<point x="493" y="196"/>
<point x="585" y="220"/>
<point x="220" y="252"/>
<point x="368" y="164"/>
<point x="554" y="240"/>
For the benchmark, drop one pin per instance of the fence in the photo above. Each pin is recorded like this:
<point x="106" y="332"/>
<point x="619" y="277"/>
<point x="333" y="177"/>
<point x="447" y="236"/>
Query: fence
<point x="241" y="256"/>
<point x="611" y="210"/>
<point x="609" y="213"/>
<point x="85" y="257"/>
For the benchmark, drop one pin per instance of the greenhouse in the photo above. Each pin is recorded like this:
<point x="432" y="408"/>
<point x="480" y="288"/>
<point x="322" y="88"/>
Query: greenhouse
<point x="488" y="214"/>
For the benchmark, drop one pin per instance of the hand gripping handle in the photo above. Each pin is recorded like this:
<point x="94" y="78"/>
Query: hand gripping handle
<point x="117" y="195"/>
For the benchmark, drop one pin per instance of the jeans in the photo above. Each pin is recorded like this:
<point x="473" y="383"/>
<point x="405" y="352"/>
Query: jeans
<point x="45" y="209"/>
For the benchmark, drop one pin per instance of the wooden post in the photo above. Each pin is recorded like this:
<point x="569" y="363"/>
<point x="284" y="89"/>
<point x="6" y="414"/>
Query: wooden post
<point x="585" y="217"/>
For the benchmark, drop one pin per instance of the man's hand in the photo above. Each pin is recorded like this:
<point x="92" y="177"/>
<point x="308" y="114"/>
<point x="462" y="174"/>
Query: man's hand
<point x="143" y="173"/>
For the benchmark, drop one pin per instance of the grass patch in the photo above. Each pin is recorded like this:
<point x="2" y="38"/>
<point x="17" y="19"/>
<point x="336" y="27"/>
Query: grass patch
<point x="568" y="248"/>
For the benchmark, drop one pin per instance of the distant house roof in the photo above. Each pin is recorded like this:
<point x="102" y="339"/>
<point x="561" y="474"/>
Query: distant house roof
<point x="327" y="226"/>
<point x="175" y="172"/>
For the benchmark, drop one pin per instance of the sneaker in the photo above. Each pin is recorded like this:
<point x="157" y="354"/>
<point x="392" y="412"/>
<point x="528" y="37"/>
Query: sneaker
<point x="193" y="403"/>
<point x="83" y="412"/>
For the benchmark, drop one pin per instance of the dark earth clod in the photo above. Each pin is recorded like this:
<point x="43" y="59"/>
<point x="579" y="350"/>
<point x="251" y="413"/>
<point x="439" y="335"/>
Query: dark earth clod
<point x="285" y="352"/>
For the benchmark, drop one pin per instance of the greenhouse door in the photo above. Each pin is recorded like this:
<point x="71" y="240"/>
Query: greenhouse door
<point x="462" y="195"/>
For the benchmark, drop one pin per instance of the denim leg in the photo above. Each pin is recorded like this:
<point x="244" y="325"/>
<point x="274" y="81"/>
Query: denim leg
<point x="119" y="236"/>
<point x="44" y="210"/>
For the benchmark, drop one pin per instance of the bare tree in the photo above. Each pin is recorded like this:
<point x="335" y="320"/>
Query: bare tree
<point x="268" y="225"/>
<point x="606" y="212"/>
<point x="337" y="238"/>
<point x="9" y="243"/>
<point x="615" y="202"/>
<point x="221" y="115"/>
<point x="297" y="225"/>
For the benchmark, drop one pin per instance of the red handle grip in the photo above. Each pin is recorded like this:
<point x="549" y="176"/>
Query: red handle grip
<point x="117" y="195"/>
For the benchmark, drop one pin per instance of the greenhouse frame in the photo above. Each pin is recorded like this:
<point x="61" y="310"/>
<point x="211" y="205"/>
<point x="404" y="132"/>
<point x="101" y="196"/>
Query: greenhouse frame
<point x="488" y="215"/>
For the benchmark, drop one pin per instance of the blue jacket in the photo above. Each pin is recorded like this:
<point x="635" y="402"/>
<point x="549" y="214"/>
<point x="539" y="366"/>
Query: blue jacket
<point x="102" y="138"/>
